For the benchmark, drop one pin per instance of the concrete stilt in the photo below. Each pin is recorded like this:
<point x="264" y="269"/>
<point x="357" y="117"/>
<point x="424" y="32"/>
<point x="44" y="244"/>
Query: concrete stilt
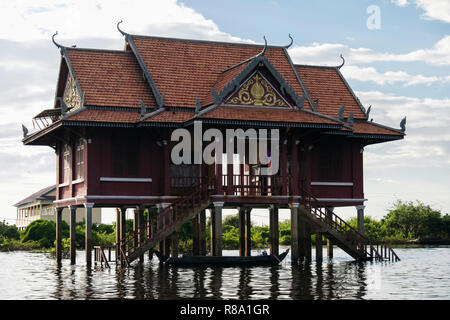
<point x="202" y="233"/>
<point x="88" y="232"/>
<point x="73" y="253"/>
<point x="329" y="248"/>
<point x="360" y="218"/>
<point x="58" y="246"/>
<point x="248" y="234"/>
<point x="274" y="232"/>
<point x="218" y="228"/>
<point x="295" y="250"/>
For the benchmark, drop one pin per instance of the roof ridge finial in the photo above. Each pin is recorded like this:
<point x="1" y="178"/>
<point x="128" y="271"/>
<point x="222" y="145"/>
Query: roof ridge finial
<point x="53" y="40"/>
<point x="265" y="47"/>
<point x="120" y="30"/>
<point x="343" y="62"/>
<point x="290" y="44"/>
<point x="403" y="125"/>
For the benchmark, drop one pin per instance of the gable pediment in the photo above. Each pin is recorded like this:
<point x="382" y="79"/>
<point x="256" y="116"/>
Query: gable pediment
<point x="257" y="91"/>
<point x="257" y="83"/>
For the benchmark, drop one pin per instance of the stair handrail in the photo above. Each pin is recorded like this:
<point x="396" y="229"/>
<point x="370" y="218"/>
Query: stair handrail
<point x="199" y="189"/>
<point x="361" y="240"/>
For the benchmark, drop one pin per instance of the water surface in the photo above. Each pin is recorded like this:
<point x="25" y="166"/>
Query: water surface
<point x="423" y="273"/>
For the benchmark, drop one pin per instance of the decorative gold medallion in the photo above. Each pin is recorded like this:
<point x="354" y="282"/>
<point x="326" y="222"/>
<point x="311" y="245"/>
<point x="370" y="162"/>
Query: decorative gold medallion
<point x="258" y="92"/>
<point x="71" y="96"/>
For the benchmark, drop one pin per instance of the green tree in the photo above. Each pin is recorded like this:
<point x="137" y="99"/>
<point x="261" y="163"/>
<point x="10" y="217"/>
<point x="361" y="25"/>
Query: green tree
<point x="232" y="220"/>
<point x="44" y="232"/>
<point x="8" y="231"/>
<point x="413" y="221"/>
<point x="373" y="229"/>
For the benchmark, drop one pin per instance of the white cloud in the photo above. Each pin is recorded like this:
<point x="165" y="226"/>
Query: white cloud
<point x="34" y="20"/>
<point x="328" y="54"/>
<point x="400" y="3"/>
<point x="434" y="9"/>
<point x="390" y="77"/>
<point x="422" y="113"/>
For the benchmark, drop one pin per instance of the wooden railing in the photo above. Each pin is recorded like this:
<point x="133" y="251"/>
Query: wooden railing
<point x="154" y="227"/>
<point x="240" y="185"/>
<point x="253" y="185"/>
<point x="361" y="242"/>
<point x="100" y="256"/>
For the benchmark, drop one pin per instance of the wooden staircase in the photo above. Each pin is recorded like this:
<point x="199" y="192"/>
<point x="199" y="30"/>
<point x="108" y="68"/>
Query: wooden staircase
<point x="167" y="221"/>
<point x="341" y="233"/>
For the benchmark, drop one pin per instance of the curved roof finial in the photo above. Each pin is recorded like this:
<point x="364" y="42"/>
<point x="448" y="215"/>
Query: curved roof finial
<point x="53" y="40"/>
<point x="290" y="44"/>
<point x="118" y="28"/>
<point x="343" y="62"/>
<point x="403" y="125"/>
<point x="265" y="47"/>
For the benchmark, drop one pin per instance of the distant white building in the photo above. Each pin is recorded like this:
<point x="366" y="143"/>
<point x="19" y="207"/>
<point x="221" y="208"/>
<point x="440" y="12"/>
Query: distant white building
<point x="40" y="205"/>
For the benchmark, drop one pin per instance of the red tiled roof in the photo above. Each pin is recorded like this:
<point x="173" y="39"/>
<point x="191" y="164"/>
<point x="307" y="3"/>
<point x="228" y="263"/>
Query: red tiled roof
<point x="110" y="78"/>
<point x="184" y="69"/>
<point x="265" y="114"/>
<point x="171" y="116"/>
<point x="373" y="129"/>
<point x="326" y="85"/>
<point x="112" y="116"/>
<point x="121" y="116"/>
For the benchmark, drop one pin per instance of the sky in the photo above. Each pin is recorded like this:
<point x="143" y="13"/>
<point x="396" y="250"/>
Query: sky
<point x="397" y="59"/>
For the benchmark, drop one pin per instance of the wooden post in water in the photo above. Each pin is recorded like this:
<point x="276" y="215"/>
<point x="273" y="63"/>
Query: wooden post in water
<point x="73" y="253"/>
<point x="329" y="242"/>
<point x="202" y="233"/>
<point x="213" y="232"/>
<point x="319" y="247"/>
<point x="58" y="246"/>
<point x="123" y="229"/>
<point x="88" y="233"/>
<point x="218" y="228"/>
<point x="174" y="239"/>
<point x="241" y="216"/>
<point x="274" y="232"/>
<point x="295" y="252"/>
<point x="248" y="232"/>
<point x="141" y="231"/>
<point x="195" y="236"/>
<point x="307" y="241"/>
<point x="118" y="215"/>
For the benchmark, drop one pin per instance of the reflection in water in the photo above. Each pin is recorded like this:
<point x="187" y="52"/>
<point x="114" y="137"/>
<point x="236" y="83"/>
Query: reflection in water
<point x="274" y="282"/>
<point x="422" y="274"/>
<point x="245" y="290"/>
